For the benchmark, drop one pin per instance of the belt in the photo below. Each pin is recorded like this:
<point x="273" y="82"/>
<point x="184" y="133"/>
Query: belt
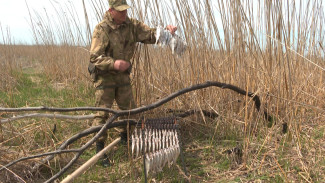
<point x="111" y="86"/>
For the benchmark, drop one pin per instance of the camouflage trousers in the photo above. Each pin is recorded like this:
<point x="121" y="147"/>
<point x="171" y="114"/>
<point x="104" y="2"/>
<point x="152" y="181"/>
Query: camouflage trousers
<point x="110" y="88"/>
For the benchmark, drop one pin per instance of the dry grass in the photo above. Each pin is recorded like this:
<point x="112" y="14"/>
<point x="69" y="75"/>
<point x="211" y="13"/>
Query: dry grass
<point x="271" y="49"/>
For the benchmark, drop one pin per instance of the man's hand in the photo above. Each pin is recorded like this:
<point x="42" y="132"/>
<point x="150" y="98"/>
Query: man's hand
<point x="172" y="29"/>
<point x="121" y="65"/>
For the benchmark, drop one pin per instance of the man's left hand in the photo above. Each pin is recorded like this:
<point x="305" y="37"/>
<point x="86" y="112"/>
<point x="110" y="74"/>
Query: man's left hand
<point x="172" y="29"/>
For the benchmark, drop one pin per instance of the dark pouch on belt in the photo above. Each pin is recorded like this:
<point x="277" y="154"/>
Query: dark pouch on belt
<point x="92" y="71"/>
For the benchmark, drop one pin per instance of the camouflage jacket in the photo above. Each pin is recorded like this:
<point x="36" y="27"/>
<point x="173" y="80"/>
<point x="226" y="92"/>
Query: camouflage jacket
<point x="112" y="42"/>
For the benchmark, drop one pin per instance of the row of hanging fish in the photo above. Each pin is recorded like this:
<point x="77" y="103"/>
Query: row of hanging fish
<point x="176" y="43"/>
<point x="156" y="161"/>
<point x="161" y="147"/>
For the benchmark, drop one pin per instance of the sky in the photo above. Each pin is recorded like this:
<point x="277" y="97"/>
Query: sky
<point x="14" y="16"/>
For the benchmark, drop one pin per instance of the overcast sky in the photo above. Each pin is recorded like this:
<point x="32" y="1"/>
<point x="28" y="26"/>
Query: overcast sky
<point x="14" y="15"/>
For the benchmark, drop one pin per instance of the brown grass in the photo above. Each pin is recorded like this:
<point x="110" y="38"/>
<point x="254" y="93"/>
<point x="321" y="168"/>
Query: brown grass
<point x="271" y="49"/>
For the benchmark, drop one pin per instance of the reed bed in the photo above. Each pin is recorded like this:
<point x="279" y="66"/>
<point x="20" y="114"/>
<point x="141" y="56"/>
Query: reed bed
<point x="273" y="48"/>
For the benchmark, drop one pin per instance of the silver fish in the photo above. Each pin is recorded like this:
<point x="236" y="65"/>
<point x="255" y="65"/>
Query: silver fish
<point x="178" y="151"/>
<point x="167" y="139"/>
<point x="145" y="140"/>
<point x="163" y="139"/>
<point x="154" y="141"/>
<point x="174" y="155"/>
<point x="171" y="138"/>
<point x="132" y="146"/>
<point x="174" y="138"/>
<point x="140" y="141"/>
<point x="159" y="156"/>
<point x="169" y="156"/>
<point x="149" y="140"/>
<point x="159" y="31"/>
<point x="137" y="146"/>
<point x="154" y="160"/>
<point x="159" y="139"/>
<point x="149" y="163"/>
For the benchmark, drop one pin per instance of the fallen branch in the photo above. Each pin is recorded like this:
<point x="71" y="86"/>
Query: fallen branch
<point x="183" y="114"/>
<point x="117" y="113"/>
<point x="51" y="116"/>
<point x="38" y="156"/>
<point x="85" y="133"/>
<point x="55" y="109"/>
<point x="89" y="131"/>
<point x="145" y="108"/>
<point x="83" y="148"/>
<point x="69" y="141"/>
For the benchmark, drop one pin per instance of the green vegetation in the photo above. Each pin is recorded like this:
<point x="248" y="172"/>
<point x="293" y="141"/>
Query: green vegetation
<point x="38" y="90"/>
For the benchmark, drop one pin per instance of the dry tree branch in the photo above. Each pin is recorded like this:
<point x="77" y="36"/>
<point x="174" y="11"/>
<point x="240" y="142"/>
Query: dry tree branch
<point x="117" y="114"/>
<point x="83" y="148"/>
<point x="68" y="142"/>
<point x="183" y="114"/>
<point x="85" y="117"/>
<point x="51" y="116"/>
<point x="148" y="107"/>
<point x="54" y="109"/>
<point x="38" y="156"/>
<point x="84" y="133"/>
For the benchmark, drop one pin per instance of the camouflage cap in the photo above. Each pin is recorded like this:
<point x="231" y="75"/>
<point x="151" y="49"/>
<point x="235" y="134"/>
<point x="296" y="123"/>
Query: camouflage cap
<point x="119" y="5"/>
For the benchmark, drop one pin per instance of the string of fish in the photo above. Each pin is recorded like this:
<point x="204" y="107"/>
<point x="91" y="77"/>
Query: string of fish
<point x="176" y="43"/>
<point x="160" y="144"/>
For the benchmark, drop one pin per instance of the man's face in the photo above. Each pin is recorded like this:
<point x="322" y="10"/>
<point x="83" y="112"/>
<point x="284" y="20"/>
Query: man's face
<point x="118" y="16"/>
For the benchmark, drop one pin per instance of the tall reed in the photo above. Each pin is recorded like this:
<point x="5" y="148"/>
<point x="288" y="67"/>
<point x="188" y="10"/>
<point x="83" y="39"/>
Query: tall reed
<point x="273" y="48"/>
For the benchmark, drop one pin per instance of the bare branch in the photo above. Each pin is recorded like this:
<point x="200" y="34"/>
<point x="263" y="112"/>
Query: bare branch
<point x="207" y="84"/>
<point x="183" y="114"/>
<point x="68" y="142"/>
<point x="85" y="117"/>
<point x="38" y="156"/>
<point x="109" y="123"/>
<point x="55" y="109"/>
<point x="83" y="148"/>
<point x="51" y="116"/>
<point x="84" y="133"/>
<point x="152" y="106"/>
<point x="88" y="131"/>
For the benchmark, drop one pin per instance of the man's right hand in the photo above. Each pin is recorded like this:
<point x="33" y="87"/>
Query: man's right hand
<point x="121" y="65"/>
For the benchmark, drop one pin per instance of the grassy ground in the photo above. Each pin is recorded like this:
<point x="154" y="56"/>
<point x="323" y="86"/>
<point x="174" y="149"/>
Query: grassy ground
<point x="268" y="154"/>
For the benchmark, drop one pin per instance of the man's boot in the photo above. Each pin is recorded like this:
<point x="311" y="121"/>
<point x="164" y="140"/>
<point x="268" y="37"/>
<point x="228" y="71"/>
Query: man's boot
<point x="104" y="161"/>
<point x="124" y="138"/>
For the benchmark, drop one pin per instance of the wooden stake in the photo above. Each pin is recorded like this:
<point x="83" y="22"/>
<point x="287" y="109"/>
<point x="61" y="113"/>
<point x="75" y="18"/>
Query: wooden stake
<point x="90" y="162"/>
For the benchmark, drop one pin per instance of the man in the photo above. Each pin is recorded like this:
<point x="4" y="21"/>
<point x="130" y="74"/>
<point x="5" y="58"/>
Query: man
<point x="113" y="45"/>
